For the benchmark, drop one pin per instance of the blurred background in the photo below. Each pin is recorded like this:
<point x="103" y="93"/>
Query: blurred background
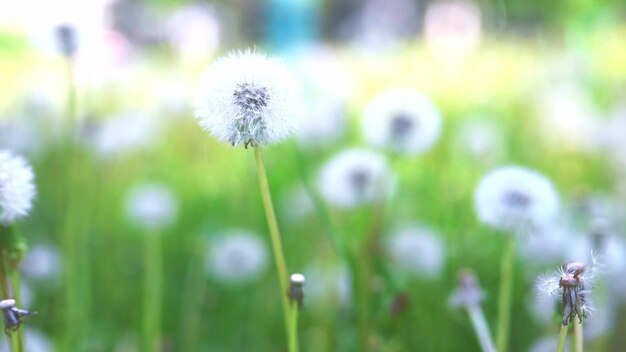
<point x="97" y="95"/>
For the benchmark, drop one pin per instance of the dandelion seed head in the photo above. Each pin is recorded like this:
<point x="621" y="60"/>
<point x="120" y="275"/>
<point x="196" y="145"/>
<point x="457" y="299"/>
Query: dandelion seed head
<point x="151" y="206"/>
<point x="17" y="189"/>
<point x="248" y="98"/>
<point x="354" y="177"/>
<point x="418" y="250"/>
<point x="401" y="120"/>
<point x="515" y="198"/>
<point x="237" y="256"/>
<point x="41" y="262"/>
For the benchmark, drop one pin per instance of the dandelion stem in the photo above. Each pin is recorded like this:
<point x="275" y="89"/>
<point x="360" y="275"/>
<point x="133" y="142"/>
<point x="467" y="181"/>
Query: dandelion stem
<point x="277" y="248"/>
<point x="481" y="328"/>
<point x="578" y="337"/>
<point x="562" y="338"/>
<point x="505" y="298"/>
<point x="152" y="292"/>
<point x="15" y="277"/>
<point x="293" y="332"/>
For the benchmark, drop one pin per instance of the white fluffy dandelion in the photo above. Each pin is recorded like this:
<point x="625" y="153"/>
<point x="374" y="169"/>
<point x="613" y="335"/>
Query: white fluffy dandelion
<point x="237" y="256"/>
<point x="401" y="120"/>
<point x="151" y="206"/>
<point x="17" y="189"/>
<point x="354" y="177"/>
<point x="515" y="198"/>
<point x="42" y="262"/>
<point x="418" y="250"/>
<point x="248" y="98"/>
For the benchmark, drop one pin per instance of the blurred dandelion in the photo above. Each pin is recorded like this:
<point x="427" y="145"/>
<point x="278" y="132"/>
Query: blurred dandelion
<point x="417" y="250"/>
<point x="469" y="295"/>
<point x="125" y="133"/>
<point x="248" y="98"/>
<point x="42" y="262"/>
<point x="332" y="285"/>
<point x="236" y="257"/>
<point x="194" y="31"/>
<point x="151" y="206"/>
<point x="17" y="189"/>
<point x="354" y="177"/>
<point x="515" y="198"/>
<point x="401" y="120"/>
<point x="481" y="139"/>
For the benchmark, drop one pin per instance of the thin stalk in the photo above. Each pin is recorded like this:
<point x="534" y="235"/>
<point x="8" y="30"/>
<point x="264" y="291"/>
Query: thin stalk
<point x="194" y="291"/>
<point x="481" y="328"/>
<point x="505" y="298"/>
<point x="293" y="333"/>
<point x="152" y="292"/>
<point x="15" y="276"/>
<point x="277" y="248"/>
<point x="6" y="293"/>
<point x="562" y="338"/>
<point x="578" y="337"/>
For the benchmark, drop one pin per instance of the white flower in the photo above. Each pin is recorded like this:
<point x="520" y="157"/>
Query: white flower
<point x="515" y="198"/>
<point x="419" y="250"/>
<point x="481" y="139"/>
<point x="401" y="120"/>
<point x="17" y="189"/>
<point x="354" y="177"/>
<point x="328" y="284"/>
<point x="248" y="98"/>
<point x="194" y="31"/>
<point x="124" y="133"/>
<point x="151" y="206"/>
<point x="41" y="262"/>
<point x="324" y="124"/>
<point x="237" y="256"/>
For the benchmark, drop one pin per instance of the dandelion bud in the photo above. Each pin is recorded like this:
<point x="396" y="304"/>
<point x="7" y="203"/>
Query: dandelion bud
<point x="514" y="198"/>
<point x="248" y="98"/>
<point x="16" y="187"/>
<point x="296" y="293"/>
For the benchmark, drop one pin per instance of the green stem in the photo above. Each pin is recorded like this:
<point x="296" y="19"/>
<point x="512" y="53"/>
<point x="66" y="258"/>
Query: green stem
<point x="562" y="338"/>
<point x="505" y="298"/>
<point x="277" y="248"/>
<point x="194" y="291"/>
<point x="152" y="292"/>
<point x="578" y="337"/>
<point x="481" y="328"/>
<point x="293" y="332"/>
<point x="15" y="276"/>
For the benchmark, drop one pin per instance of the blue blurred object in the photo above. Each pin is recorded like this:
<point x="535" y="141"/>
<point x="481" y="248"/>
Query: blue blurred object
<point x="292" y="24"/>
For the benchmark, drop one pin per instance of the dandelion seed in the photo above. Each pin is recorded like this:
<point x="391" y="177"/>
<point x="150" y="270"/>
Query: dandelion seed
<point x="247" y="99"/>
<point x="17" y="189"/>
<point x="417" y="250"/>
<point x="401" y="120"/>
<point x="354" y="177"/>
<point x="237" y="256"/>
<point x="515" y="198"/>
<point x="151" y="206"/>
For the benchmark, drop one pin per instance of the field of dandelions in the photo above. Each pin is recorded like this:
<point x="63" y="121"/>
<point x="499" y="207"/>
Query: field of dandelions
<point x="443" y="195"/>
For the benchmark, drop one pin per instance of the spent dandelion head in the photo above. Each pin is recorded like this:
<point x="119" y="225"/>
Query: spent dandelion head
<point x="248" y="99"/>
<point x="354" y="177"/>
<point x="237" y="256"/>
<point x="572" y="285"/>
<point x="296" y="292"/>
<point x="17" y="189"/>
<point x="401" y="120"/>
<point x="515" y="198"/>
<point x="468" y="292"/>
